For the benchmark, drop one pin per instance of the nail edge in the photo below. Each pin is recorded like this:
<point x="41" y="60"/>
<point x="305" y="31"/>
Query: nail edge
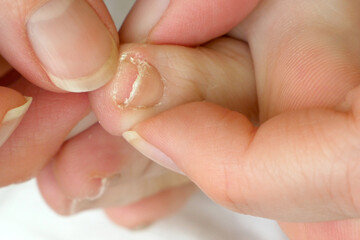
<point x="92" y="82"/>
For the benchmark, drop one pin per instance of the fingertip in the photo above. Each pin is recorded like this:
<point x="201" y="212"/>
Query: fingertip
<point x="51" y="192"/>
<point x="205" y="141"/>
<point x="135" y="93"/>
<point x="141" y="20"/>
<point x="85" y="162"/>
<point x="41" y="132"/>
<point x="60" y="45"/>
<point x="145" y="212"/>
<point x="13" y="107"/>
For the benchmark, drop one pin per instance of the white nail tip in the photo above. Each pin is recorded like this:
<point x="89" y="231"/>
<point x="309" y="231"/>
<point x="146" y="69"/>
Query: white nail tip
<point x="104" y="183"/>
<point x="12" y="119"/>
<point x="88" y="121"/>
<point x="75" y="205"/>
<point x="150" y="151"/>
<point x="131" y="136"/>
<point x="92" y="82"/>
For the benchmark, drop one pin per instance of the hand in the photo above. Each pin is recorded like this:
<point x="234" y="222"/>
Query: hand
<point x="69" y="191"/>
<point x="35" y="44"/>
<point x="31" y="43"/>
<point x="28" y="145"/>
<point x="34" y="49"/>
<point x="295" y="165"/>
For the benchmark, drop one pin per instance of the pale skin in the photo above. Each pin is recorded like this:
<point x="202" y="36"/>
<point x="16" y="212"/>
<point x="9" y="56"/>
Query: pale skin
<point x="304" y="152"/>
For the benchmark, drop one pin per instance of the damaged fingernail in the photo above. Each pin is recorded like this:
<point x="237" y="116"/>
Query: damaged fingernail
<point x="121" y="192"/>
<point x="102" y="182"/>
<point x="12" y="119"/>
<point x="140" y="84"/>
<point x="77" y="204"/>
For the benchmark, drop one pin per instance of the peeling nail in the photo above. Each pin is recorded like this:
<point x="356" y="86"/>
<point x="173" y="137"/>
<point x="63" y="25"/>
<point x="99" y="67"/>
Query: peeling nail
<point x="140" y="85"/>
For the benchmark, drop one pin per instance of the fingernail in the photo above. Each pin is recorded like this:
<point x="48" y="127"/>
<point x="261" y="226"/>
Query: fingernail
<point x="103" y="182"/>
<point x="150" y="151"/>
<point x="143" y="18"/>
<point x="12" y="119"/>
<point x="85" y="123"/>
<point x="77" y="204"/>
<point x="140" y="85"/>
<point x="73" y="45"/>
<point x="121" y="192"/>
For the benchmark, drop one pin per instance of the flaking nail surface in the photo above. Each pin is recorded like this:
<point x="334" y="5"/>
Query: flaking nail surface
<point x="139" y="84"/>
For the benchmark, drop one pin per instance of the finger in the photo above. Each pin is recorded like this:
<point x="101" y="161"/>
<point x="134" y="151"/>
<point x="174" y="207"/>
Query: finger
<point x="183" y="22"/>
<point x="82" y="174"/>
<point x="59" y="44"/>
<point x="96" y="170"/>
<point x="85" y="163"/>
<point x="51" y="192"/>
<point x="13" y="107"/>
<point x="9" y="76"/>
<point x="314" y="69"/>
<point x="151" y="79"/>
<point x="40" y="133"/>
<point x="292" y="168"/>
<point x="128" y="216"/>
<point x="310" y="59"/>
<point x="142" y="214"/>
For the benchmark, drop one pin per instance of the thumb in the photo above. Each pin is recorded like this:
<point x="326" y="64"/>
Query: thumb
<point x="195" y="139"/>
<point x="59" y="45"/>
<point x="292" y="168"/>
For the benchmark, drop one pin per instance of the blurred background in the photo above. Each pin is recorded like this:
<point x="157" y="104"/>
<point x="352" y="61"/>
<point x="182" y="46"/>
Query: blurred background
<point x="25" y="216"/>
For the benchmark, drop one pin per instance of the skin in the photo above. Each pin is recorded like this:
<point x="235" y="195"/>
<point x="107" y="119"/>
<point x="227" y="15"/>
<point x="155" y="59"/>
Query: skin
<point x="9" y="98"/>
<point x="33" y="134"/>
<point x="96" y="153"/>
<point x="25" y="152"/>
<point x="14" y="42"/>
<point x="290" y="96"/>
<point x="330" y="100"/>
<point x="45" y="145"/>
